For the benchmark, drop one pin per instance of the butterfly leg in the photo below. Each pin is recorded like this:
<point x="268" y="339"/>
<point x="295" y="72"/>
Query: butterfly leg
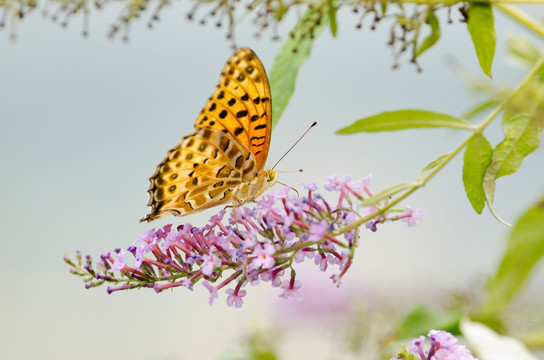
<point x="234" y="212"/>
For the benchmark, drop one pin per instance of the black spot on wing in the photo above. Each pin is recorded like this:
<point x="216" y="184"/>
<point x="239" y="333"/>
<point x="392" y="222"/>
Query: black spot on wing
<point x="241" y="114"/>
<point x="239" y="162"/>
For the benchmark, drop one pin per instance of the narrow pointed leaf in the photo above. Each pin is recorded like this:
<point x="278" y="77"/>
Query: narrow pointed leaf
<point x="477" y="157"/>
<point x="332" y="18"/>
<point x="479" y="108"/>
<point x="489" y="188"/>
<point x="405" y="119"/>
<point x="523" y="51"/>
<point x="481" y="28"/>
<point x="525" y="249"/>
<point x="287" y="63"/>
<point x="387" y="193"/>
<point x="432" y="164"/>
<point x="433" y="37"/>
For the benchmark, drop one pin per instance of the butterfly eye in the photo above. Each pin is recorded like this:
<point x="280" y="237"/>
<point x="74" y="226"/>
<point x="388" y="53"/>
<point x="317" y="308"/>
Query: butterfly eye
<point x="272" y="176"/>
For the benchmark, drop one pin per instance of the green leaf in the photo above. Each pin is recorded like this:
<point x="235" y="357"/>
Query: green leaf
<point x="481" y="28"/>
<point x="433" y="164"/>
<point x="422" y="319"/>
<point x="525" y="248"/>
<point x="387" y="193"/>
<point x="479" y="108"/>
<point x="287" y="63"/>
<point x="489" y="188"/>
<point x="523" y="134"/>
<point x="522" y="50"/>
<point x="332" y="18"/>
<point x="405" y="119"/>
<point x="433" y="36"/>
<point x="478" y="155"/>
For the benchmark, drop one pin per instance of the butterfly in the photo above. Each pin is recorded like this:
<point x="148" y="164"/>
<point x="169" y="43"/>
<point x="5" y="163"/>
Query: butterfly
<point x="223" y="159"/>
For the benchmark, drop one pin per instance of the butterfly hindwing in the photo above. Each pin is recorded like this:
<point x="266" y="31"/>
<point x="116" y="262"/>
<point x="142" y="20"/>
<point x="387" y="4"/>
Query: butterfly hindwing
<point x="198" y="172"/>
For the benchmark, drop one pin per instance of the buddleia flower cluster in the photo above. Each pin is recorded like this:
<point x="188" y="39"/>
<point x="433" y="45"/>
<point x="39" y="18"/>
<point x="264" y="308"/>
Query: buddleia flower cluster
<point x="443" y="347"/>
<point x="255" y="244"/>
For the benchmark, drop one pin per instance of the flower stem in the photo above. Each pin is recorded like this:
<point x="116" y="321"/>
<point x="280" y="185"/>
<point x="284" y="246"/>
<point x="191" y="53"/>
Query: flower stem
<point x="521" y="17"/>
<point x="477" y="130"/>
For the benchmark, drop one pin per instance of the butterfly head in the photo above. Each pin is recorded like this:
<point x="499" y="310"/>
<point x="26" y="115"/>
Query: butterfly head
<point x="271" y="177"/>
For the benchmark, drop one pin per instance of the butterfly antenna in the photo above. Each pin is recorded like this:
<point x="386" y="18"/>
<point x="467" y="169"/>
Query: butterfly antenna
<point x="296" y="142"/>
<point x="290" y="171"/>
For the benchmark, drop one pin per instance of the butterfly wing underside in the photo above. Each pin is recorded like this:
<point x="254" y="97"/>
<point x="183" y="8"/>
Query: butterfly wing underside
<point x="229" y="147"/>
<point x="241" y="104"/>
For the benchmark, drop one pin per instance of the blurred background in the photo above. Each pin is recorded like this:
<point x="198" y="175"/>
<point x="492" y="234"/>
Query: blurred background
<point x="85" y="121"/>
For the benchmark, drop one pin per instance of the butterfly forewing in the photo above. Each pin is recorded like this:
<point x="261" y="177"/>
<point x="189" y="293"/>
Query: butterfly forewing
<point x="241" y="104"/>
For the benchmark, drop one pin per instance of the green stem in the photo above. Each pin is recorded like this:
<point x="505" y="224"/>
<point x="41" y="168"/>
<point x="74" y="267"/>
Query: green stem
<point x="521" y="17"/>
<point x="477" y="130"/>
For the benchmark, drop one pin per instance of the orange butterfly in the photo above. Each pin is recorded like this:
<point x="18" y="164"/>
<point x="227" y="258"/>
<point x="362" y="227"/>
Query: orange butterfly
<point x="224" y="158"/>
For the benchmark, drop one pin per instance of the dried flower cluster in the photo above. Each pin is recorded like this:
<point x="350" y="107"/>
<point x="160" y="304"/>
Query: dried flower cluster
<point x="408" y="27"/>
<point x="256" y="244"/>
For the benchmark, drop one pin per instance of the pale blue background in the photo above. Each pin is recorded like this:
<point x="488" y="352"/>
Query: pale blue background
<point x="84" y="122"/>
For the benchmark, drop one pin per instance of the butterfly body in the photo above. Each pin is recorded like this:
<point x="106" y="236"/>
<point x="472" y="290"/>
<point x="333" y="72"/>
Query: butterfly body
<point x="222" y="161"/>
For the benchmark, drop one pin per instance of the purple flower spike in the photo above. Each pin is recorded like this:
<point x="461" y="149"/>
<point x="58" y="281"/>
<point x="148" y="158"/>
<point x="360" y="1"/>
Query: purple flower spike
<point x="443" y="347"/>
<point x="291" y="291"/>
<point x="261" y="244"/>
<point x="416" y="347"/>
<point x="235" y="297"/>
<point x="336" y="183"/>
<point x="310" y="186"/>
<point x="212" y="290"/>
<point x="264" y="256"/>
<point x="209" y="262"/>
<point x="318" y="230"/>
<point x="119" y="264"/>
